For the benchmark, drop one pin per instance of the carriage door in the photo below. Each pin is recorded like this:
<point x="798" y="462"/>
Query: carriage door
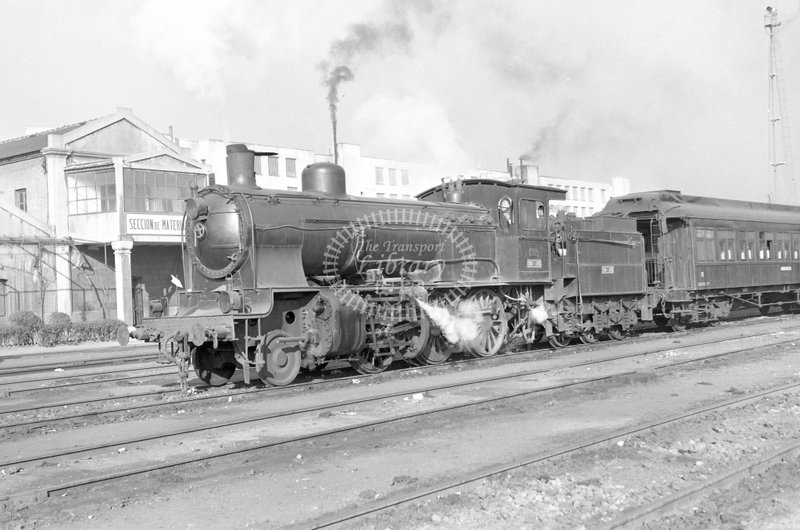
<point x="534" y="247"/>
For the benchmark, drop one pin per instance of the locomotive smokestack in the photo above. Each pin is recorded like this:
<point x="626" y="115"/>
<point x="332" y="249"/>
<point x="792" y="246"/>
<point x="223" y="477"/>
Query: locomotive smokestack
<point x="240" y="162"/>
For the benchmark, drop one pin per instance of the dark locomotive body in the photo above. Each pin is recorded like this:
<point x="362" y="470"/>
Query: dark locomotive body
<point x="705" y="257"/>
<point x="280" y="281"/>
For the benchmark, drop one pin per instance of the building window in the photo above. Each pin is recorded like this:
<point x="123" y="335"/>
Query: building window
<point x="603" y="195"/>
<point x="378" y="175"/>
<point x="380" y="195"/>
<point x="158" y="191"/>
<point x="257" y="165"/>
<point x="292" y="188"/>
<point x="404" y="177"/>
<point x="583" y="194"/>
<point x="273" y="166"/>
<point x="91" y="191"/>
<point x="392" y="177"/>
<point x="21" y="199"/>
<point x="590" y="196"/>
<point x="291" y="168"/>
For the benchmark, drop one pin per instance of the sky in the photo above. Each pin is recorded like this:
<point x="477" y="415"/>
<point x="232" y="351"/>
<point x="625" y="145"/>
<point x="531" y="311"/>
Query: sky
<point x="671" y="94"/>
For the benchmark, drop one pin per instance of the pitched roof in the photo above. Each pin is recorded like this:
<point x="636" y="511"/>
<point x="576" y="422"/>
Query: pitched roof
<point x="32" y="143"/>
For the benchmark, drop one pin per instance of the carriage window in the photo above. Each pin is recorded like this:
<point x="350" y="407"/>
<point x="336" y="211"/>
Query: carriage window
<point x="747" y="246"/>
<point x="781" y="250"/>
<point x="765" y="244"/>
<point x="505" y="212"/>
<point x="532" y="215"/>
<point x="795" y="246"/>
<point x="705" y="244"/>
<point x="727" y="245"/>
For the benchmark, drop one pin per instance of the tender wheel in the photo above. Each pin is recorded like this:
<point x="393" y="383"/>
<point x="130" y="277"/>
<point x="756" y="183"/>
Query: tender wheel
<point x="661" y="321"/>
<point x="491" y="320"/>
<point x="764" y="310"/>
<point x="368" y="362"/>
<point x="588" y="337"/>
<point x="616" y="333"/>
<point x="213" y="367"/>
<point x="281" y="360"/>
<point x="559" y="340"/>
<point x="677" y="324"/>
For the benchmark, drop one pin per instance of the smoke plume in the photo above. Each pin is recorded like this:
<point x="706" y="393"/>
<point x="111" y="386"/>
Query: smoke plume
<point x="365" y="38"/>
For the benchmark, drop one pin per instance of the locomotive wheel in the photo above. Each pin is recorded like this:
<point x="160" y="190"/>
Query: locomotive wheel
<point x="368" y="362"/>
<point x="418" y="335"/>
<point x="588" y="337"/>
<point x="281" y="360"/>
<point x="492" y="323"/>
<point x="661" y="321"/>
<point x="437" y="350"/>
<point x="213" y="367"/>
<point x="616" y="332"/>
<point x="559" y="340"/>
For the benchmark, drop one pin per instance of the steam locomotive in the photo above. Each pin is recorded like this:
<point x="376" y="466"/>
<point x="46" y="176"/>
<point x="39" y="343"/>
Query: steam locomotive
<point x="281" y="281"/>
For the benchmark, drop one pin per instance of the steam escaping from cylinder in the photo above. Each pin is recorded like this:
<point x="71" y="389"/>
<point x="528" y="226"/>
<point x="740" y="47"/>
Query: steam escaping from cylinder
<point x="459" y="326"/>
<point x="538" y="314"/>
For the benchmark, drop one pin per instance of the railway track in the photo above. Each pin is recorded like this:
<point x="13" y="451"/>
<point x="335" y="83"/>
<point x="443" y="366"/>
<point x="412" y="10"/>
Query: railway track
<point x="276" y="391"/>
<point x="87" y="450"/>
<point x="630" y="520"/>
<point x="16" y="388"/>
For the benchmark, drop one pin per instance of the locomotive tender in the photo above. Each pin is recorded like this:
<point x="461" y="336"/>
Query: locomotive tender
<point x="281" y="281"/>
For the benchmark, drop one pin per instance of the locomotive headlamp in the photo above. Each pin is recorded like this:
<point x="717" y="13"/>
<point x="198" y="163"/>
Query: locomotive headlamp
<point x="229" y="300"/>
<point x="196" y="207"/>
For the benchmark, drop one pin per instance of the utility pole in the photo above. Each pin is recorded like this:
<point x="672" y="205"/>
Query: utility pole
<point x="784" y="186"/>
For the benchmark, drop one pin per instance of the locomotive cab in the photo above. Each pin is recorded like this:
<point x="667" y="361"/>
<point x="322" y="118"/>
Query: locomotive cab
<point x="521" y="217"/>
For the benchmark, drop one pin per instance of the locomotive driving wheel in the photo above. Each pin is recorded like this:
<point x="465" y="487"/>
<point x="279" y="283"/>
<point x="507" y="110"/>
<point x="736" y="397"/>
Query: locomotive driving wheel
<point x="214" y="367"/>
<point x="369" y="362"/>
<point x="437" y="349"/>
<point x="281" y="360"/>
<point x="491" y="320"/>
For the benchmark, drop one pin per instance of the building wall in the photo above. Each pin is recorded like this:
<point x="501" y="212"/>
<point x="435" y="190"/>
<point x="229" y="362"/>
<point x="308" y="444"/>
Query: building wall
<point x="26" y="174"/>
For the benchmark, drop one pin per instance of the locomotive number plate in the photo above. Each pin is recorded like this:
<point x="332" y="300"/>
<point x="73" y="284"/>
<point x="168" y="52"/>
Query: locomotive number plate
<point x="607" y="269"/>
<point x="534" y="263"/>
<point x="786" y="268"/>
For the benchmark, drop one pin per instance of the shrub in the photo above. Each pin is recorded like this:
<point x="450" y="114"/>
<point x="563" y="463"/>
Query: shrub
<point x="59" y="319"/>
<point x="51" y="334"/>
<point x="27" y="320"/>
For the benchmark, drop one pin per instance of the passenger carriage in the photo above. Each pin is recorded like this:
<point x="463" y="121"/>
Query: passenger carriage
<point x="705" y="257"/>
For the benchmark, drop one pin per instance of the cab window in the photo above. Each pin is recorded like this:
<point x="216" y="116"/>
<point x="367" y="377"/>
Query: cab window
<point x="532" y="214"/>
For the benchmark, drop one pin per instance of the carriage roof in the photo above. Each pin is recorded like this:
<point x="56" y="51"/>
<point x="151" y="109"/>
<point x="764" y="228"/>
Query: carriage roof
<point x="674" y="204"/>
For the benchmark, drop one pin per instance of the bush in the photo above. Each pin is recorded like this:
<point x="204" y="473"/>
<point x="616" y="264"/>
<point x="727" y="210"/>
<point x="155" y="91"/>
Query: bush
<point x="51" y="334"/>
<point x="26" y="319"/>
<point x="59" y="319"/>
